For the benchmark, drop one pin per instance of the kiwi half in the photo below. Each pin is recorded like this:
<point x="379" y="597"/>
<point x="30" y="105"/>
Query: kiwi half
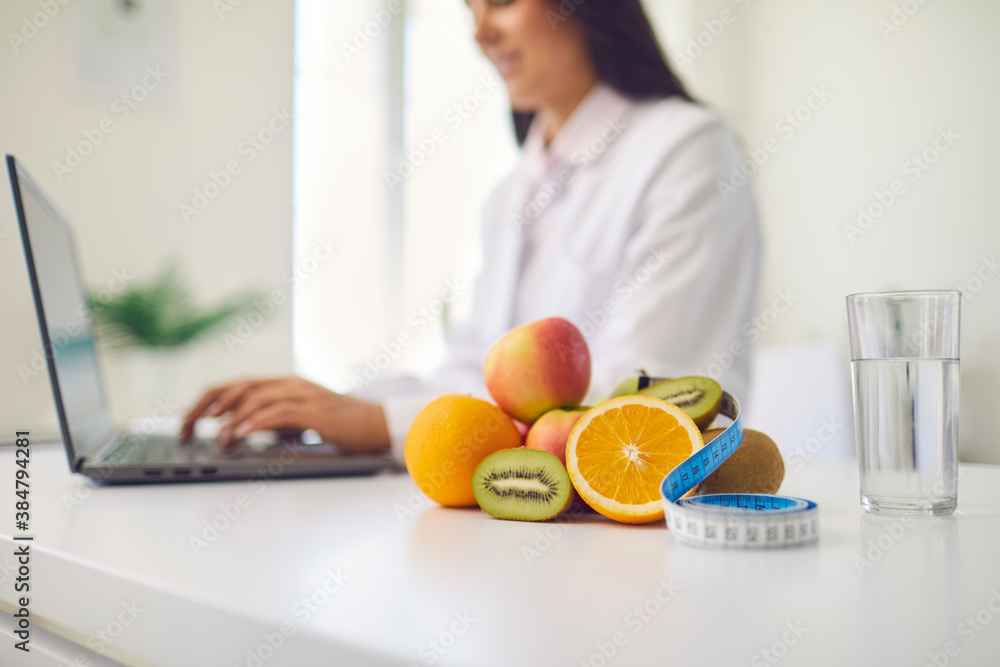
<point x="632" y="385"/>
<point x="522" y="484"/>
<point x="699" y="397"/>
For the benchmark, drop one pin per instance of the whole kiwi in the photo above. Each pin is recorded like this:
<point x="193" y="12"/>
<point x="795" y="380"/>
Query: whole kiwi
<point x="756" y="467"/>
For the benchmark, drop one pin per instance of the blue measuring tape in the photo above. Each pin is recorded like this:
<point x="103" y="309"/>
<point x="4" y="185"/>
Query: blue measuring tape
<point x="732" y="520"/>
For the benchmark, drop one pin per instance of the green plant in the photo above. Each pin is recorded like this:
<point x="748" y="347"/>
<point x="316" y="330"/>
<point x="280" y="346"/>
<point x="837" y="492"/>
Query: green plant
<point x="159" y="314"/>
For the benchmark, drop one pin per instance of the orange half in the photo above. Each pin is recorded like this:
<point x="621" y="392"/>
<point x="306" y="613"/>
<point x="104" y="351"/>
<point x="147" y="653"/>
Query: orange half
<point x="619" y="452"/>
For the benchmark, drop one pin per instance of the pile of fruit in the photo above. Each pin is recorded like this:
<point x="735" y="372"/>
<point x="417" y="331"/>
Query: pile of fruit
<point x="530" y="455"/>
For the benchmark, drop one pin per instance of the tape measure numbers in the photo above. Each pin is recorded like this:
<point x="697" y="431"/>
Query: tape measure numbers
<point x="732" y="520"/>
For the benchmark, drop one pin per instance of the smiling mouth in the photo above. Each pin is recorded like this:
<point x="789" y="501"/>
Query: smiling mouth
<point x="506" y="64"/>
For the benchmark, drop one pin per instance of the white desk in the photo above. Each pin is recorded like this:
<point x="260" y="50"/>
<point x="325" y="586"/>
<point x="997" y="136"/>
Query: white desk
<point x="464" y="581"/>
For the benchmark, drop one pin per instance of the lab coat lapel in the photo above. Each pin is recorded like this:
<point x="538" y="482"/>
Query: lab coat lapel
<point x="574" y="150"/>
<point x="588" y="135"/>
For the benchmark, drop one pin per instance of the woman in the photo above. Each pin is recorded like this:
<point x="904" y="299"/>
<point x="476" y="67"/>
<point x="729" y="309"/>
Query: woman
<point x="611" y="219"/>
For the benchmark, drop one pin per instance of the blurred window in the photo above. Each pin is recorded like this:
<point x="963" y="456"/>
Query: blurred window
<point x="403" y="128"/>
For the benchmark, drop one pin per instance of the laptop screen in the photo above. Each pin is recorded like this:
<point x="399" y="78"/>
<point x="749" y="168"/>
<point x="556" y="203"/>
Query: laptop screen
<point x="64" y="318"/>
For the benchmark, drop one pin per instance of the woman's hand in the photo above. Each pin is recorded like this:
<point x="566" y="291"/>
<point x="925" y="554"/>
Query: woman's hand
<point x="292" y="403"/>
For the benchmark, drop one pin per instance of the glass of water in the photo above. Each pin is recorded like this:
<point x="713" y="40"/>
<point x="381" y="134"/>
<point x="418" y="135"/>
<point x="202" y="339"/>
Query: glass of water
<point x="904" y="363"/>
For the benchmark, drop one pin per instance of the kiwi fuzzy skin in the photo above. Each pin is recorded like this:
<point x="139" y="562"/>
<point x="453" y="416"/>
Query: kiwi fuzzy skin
<point x="756" y="467"/>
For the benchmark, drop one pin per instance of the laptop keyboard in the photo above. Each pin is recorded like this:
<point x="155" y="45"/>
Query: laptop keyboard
<point x="160" y="449"/>
<point x="122" y="452"/>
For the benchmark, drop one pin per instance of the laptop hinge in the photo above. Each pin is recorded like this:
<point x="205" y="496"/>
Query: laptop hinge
<point x="101" y="451"/>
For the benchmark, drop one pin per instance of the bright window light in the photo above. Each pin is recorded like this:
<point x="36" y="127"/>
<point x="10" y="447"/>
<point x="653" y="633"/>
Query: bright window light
<point x="400" y="194"/>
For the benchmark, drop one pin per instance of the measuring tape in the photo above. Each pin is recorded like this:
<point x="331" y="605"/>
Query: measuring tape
<point x="732" y="520"/>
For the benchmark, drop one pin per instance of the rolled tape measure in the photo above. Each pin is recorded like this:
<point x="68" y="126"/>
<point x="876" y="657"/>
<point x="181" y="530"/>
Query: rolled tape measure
<point x="732" y="520"/>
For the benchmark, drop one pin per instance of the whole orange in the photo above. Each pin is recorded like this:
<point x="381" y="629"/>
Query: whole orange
<point x="448" y="439"/>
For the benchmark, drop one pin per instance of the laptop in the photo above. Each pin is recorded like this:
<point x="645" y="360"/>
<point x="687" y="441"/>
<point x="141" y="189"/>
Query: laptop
<point x="94" y="446"/>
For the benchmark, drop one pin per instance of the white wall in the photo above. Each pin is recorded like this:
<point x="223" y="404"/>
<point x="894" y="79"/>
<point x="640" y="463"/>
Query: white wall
<point x="225" y="76"/>
<point x="890" y="93"/>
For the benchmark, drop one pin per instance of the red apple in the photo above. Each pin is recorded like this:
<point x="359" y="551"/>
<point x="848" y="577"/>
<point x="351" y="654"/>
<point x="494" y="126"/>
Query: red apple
<point x="551" y="431"/>
<point x="537" y="367"/>
<point x="522" y="428"/>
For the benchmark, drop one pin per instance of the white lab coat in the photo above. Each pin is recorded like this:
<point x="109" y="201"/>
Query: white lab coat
<point x="620" y="227"/>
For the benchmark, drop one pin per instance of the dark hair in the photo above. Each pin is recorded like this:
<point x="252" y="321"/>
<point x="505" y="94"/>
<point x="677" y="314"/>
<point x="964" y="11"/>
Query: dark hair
<point x="623" y="48"/>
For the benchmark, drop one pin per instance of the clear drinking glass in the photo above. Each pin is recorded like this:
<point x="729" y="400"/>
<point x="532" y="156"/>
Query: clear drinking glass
<point x="904" y="363"/>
